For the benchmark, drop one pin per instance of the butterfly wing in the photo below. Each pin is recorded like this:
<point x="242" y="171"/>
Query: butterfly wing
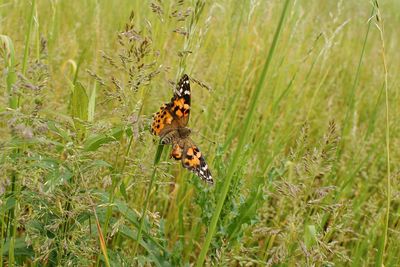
<point x="180" y="103"/>
<point x="174" y="114"/>
<point x="163" y="121"/>
<point x="193" y="160"/>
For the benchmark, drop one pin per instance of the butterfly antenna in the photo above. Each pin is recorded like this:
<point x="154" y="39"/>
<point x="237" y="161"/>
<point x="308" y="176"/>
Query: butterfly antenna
<point x="205" y="137"/>
<point x="201" y="84"/>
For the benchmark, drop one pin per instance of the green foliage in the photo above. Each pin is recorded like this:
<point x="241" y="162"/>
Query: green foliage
<point x="297" y="124"/>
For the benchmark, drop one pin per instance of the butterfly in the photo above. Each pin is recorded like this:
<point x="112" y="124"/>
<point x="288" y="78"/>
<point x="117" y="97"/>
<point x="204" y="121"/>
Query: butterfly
<point x="170" y="124"/>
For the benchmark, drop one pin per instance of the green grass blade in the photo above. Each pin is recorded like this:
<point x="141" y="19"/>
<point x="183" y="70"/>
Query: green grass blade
<point x="351" y="101"/>
<point x="11" y="77"/>
<point x="28" y="37"/>
<point x="79" y="108"/>
<point x="92" y="103"/>
<point x="80" y="101"/>
<point x="147" y="199"/>
<point x="103" y="245"/>
<point x="242" y="139"/>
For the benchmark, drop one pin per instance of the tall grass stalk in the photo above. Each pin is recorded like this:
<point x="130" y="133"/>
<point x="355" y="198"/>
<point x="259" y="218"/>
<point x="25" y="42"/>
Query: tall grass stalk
<point x="383" y="245"/>
<point x="351" y="106"/>
<point x="190" y="28"/>
<point x="230" y="65"/>
<point x="242" y="139"/>
<point x="28" y="37"/>
<point x="111" y="198"/>
<point x="147" y="198"/>
<point x="351" y="101"/>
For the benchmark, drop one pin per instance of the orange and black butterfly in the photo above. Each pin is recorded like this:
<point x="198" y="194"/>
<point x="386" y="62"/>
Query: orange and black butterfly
<point x="170" y="124"/>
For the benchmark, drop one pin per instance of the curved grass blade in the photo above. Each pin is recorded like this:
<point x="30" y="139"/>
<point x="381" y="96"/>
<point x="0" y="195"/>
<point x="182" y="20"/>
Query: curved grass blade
<point x="242" y="139"/>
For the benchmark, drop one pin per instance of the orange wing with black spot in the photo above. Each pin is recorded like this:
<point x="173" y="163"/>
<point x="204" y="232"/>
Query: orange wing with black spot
<point x="174" y="114"/>
<point x="193" y="160"/>
<point x="163" y="121"/>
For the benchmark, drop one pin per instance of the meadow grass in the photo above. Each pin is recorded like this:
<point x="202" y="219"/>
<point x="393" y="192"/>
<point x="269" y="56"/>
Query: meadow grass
<point x="294" y="105"/>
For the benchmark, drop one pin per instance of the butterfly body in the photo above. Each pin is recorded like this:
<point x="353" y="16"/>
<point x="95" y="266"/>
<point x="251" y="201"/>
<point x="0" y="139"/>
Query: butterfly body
<point x="175" y="135"/>
<point x="170" y="124"/>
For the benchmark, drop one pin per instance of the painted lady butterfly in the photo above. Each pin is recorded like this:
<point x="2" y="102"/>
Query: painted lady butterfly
<point x="170" y="124"/>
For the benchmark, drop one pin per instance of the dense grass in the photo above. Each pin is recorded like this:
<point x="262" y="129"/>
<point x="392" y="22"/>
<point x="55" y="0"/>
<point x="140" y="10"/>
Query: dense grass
<point x="294" y="105"/>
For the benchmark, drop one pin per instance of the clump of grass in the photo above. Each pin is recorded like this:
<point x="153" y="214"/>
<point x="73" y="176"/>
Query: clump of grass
<point x="304" y="186"/>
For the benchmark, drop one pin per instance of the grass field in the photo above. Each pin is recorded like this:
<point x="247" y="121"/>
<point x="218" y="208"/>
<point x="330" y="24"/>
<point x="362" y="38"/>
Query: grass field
<point x="294" y="104"/>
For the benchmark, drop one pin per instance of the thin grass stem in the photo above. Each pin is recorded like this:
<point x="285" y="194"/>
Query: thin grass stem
<point x="147" y="199"/>
<point x="383" y="245"/>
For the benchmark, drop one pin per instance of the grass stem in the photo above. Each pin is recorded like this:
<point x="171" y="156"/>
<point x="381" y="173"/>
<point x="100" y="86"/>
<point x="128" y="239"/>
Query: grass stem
<point x="383" y="245"/>
<point x="147" y="198"/>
